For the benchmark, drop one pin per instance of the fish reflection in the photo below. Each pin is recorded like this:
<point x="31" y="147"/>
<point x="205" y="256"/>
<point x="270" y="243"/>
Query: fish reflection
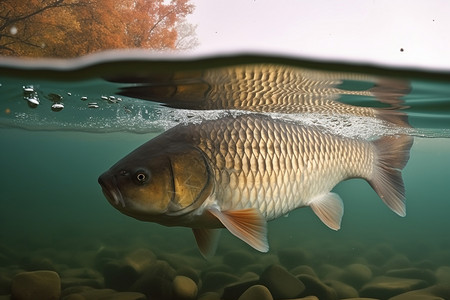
<point x="271" y="88"/>
<point x="239" y="172"/>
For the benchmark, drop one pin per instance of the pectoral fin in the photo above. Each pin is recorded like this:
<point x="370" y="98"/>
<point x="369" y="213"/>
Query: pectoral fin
<point x="329" y="208"/>
<point x="207" y="240"/>
<point x="247" y="224"/>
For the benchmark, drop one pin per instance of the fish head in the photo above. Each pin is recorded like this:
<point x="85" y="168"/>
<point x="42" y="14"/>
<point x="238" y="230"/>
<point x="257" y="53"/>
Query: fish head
<point x="158" y="183"/>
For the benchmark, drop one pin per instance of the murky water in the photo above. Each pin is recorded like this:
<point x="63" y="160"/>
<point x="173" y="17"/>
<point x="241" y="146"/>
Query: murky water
<point x="54" y="216"/>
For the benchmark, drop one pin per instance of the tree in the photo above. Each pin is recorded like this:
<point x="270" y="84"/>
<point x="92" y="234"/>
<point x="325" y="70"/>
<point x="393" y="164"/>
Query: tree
<point x="69" y="28"/>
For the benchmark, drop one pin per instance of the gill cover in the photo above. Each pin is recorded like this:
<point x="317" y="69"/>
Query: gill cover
<point x="191" y="181"/>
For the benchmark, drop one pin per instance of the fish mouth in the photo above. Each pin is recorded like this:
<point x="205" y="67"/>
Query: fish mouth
<point x="110" y="190"/>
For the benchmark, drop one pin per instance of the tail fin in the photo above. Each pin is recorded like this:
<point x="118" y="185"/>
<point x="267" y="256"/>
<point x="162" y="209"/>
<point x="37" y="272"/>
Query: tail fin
<point x="392" y="156"/>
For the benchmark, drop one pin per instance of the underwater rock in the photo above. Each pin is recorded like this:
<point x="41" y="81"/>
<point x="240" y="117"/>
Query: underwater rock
<point x="385" y="287"/>
<point x="213" y="281"/>
<point x="249" y="276"/>
<point x="190" y="273"/>
<point x="103" y="256"/>
<point x="210" y="296"/>
<point x="327" y="271"/>
<point x="81" y="273"/>
<point x="184" y="288"/>
<point x="140" y="259"/>
<point x="235" y="290"/>
<point x="342" y="290"/>
<point x="436" y="292"/>
<point x="67" y="282"/>
<point x="238" y="259"/>
<point x="414" y="273"/>
<point x="398" y="261"/>
<point x="293" y="257"/>
<point x="315" y="287"/>
<point x="156" y="282"/>
<point x="36" y="285"/>
<point x="254" y="268"/>
<point x="281" y="283"/>
<point x="303" y="270"/>
<point x="5" y="284"/>
<point x="119" y="276"/>
<point x="259" y="292"/>
<point x="75" y="290"/>
<point x="104" y="294"/>
<point x="443" y="274"/>
<point x="356" y="275"/>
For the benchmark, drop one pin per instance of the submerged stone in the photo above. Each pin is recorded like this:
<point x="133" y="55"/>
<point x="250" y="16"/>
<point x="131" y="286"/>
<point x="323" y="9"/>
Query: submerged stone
<point x="259" y="292"/>
<point x="436" y="292"/>
<point x="36" y="285"/>
<point x="303" y="270"/>
<point x="281" y="283"/>
<point x="386" y="287"/>
<point x="213" y="281"/>
<point x="315" y="287"/>
<point x="184" y="288"/>
<point x="356" y="274"/>
<point x="343" y="290"/>
<point x="235" y="290"/>
<point x="413" y="273"/>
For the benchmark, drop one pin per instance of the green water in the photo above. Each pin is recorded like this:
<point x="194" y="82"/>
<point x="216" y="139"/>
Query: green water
<point x="52" y="206"/>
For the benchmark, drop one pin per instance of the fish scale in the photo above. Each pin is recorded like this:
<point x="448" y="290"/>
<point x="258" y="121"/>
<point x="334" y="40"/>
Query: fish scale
<point x="239" y="172"/>
<point x="283" y="168"/>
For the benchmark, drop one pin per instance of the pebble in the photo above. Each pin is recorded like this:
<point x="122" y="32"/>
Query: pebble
<point x="184" y="288"/>
<point x="398" y="261"/>
<point x="281" y="283"/>
<point x="189" y="272"/>
<point x="105" y="294"/>
<point x="5" y="284"/>
<point x="436" y="292"/>
<point x="385" y="287"/>
<point x="210" y="296"/>
<point x="413" y="273"/>
<point x="156" y="282"/>
<point x="342" y="290"/>
<point x="315" y="287"/>
<point x="259" y="292"/>
<point x="235" y="290"/>
<point x="356" y="275"/>
<point x="140" y="259"/>
<point x="36" y="285"/>
<point x="67" y="282"/>
<point x="119" y="276"/>
<point x="303" y="270"/>
<point x="213" y="281"/>
<point x="443" y="274"/>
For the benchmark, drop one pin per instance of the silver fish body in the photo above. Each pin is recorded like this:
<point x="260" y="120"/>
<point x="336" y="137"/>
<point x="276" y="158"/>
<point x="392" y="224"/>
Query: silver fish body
<point x="250" y="169"/>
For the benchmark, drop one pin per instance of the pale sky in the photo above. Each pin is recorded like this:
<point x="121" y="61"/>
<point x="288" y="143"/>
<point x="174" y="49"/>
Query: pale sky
<point x="356" y="30"/>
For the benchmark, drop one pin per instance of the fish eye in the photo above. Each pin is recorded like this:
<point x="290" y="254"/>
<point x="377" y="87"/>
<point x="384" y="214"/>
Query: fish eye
<point x="141" y="176"/>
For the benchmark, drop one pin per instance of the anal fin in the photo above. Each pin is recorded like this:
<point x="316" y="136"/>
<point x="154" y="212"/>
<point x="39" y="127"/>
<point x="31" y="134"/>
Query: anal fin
<point x="207" y="240"/>
<point x="329" y="208"/>
<point x="246" y="224"/>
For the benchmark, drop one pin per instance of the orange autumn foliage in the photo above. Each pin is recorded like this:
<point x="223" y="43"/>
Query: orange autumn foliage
<point x="71" y="28"/>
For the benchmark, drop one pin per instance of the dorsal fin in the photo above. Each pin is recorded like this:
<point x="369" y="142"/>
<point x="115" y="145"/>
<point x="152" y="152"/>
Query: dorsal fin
<point x="247" y="224"/>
